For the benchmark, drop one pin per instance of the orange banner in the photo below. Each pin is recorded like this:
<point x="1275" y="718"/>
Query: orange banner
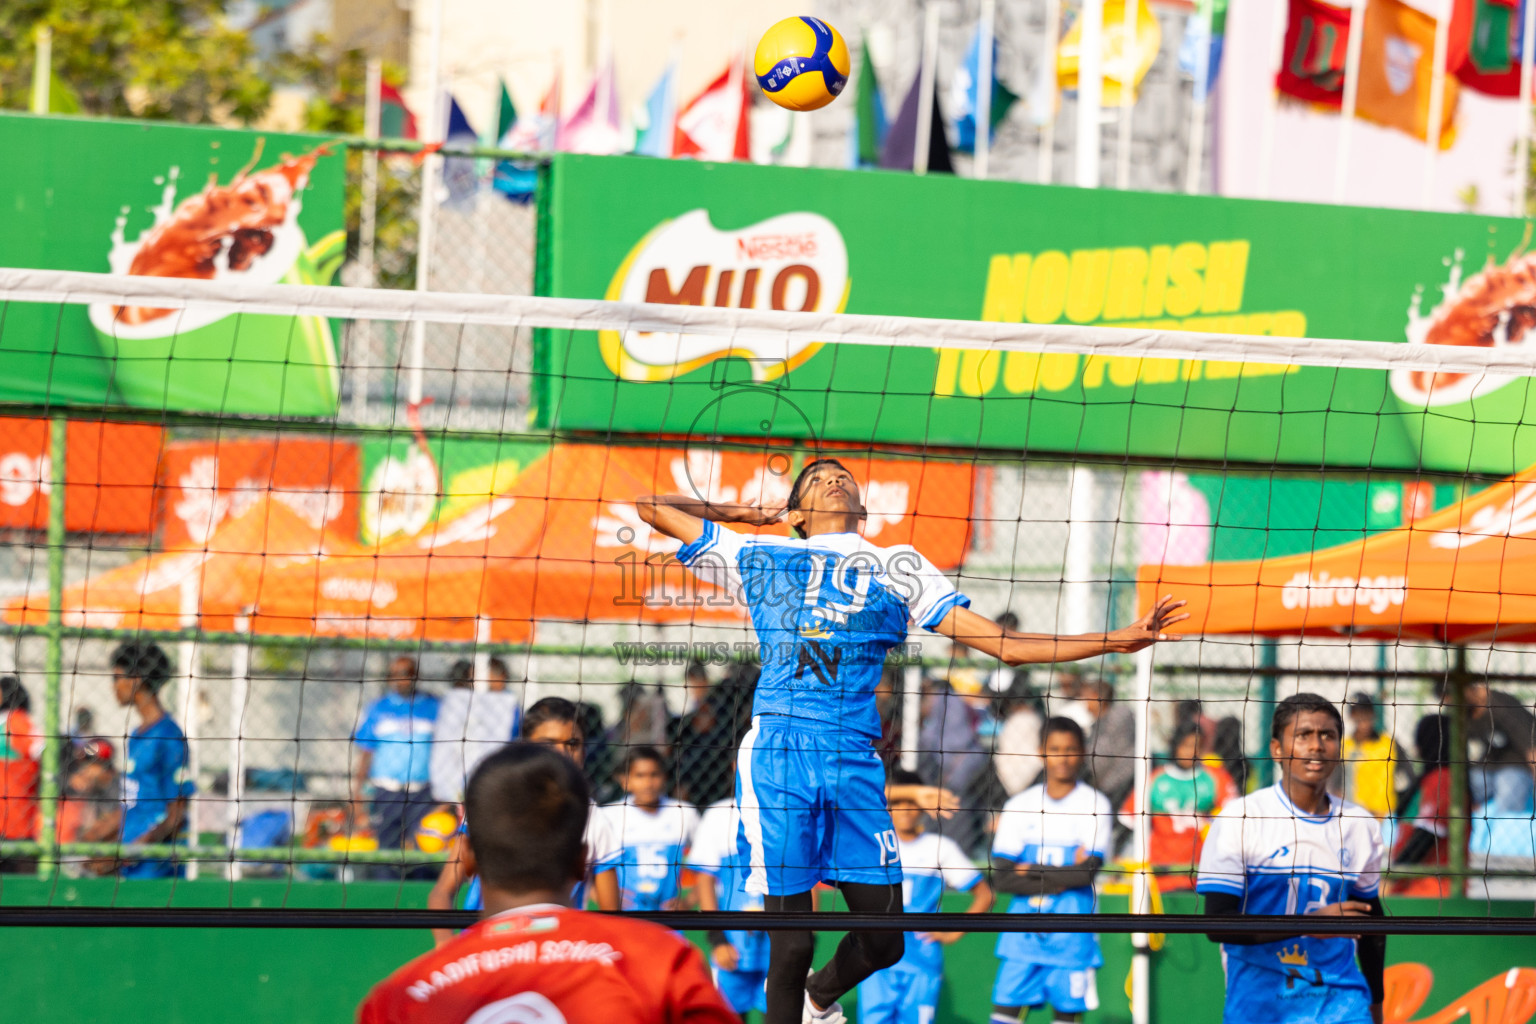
<point x="109" y="470"/>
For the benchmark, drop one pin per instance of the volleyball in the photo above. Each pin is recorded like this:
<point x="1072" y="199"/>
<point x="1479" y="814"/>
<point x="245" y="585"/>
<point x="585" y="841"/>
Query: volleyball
<point x="802" y="63"/>
<point x="435" y="831"/>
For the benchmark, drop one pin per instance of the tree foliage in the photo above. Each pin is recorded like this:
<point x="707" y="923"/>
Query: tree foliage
<point x="175" y="60"/>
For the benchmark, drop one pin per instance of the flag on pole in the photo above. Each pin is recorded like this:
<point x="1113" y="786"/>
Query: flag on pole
<point x="595" y="127"/>
<point x="901" y="141"/>
<point x="870" y="125"/>
<point x="1204" y="38"/>
<point x="506" y="113"/>
<point x="1397" y="57"/>
<point x="518" y="180"/>
<point x="1316" y="43"/>
<point x="395" y="118"/>
<point x="1484" y="50"/>
<point x="965" y="95"/>
<point x="657" y="120"/>
<point x="1149" y="39"/>
<point x="460" y="179"/>
<point x="715" y="123"/>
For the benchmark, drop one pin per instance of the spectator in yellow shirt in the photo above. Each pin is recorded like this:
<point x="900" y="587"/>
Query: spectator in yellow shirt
<point x="1372" y="762"/>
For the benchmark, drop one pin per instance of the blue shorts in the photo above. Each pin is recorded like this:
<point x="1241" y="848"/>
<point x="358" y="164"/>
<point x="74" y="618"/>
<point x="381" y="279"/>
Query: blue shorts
<point x="1067" y="989"/>
<point x="744" y="990"/>
<point x="900" y="995"/>
<point x="813" y="808"/>
<point x="1256" y="995"/>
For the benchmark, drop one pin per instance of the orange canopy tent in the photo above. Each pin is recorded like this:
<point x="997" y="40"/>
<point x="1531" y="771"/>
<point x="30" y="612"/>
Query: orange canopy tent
<point x="1465" y="574"/>
<point x="564" y="542"/>
<point x="215" y="581"/>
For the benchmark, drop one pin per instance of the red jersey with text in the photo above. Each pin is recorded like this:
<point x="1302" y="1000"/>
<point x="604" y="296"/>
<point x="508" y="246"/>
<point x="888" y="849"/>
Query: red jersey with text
<point x="552" y="965"/>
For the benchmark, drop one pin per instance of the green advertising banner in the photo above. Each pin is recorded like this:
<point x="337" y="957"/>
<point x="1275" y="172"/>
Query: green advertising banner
<point x="875" y="242"/>
<point x="169" y="201"/>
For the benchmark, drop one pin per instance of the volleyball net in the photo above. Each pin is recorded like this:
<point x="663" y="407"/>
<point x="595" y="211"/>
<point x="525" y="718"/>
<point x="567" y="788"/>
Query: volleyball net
<point x="341" y="513"/>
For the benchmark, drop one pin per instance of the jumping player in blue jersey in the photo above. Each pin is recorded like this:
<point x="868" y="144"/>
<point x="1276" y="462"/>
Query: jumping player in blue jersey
<point x="1295" y="849"/>
<point x="827" y="605"/>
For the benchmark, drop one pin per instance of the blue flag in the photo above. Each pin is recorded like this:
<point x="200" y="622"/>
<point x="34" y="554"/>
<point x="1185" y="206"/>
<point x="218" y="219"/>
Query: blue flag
<point x="654" y="137"/>
<point x="1200" y="52"/>
<point x="965" y="95"/>
<point x="461" y="179"/>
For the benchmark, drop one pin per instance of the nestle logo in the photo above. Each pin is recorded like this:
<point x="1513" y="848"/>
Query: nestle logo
<point x="777" y="247"/>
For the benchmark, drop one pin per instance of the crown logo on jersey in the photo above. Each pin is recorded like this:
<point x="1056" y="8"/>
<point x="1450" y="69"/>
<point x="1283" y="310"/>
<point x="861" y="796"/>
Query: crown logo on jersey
<point x="1295" y="956"/>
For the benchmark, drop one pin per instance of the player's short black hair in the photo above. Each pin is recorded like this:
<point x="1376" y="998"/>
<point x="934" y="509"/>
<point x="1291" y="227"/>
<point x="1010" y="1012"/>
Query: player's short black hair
<point x="550" y="709"/>
<point x="1182" y="732"/>
<point x="1287" y="710"/>
<point x="905" y="777"/>
<point x="795" y="495"/>
<point x="644" y="752"/>
<point x="144" y="662"/>
<point x="497" y="665"/>
<point x="14" y="696"/>
<point x="1066" y="725"/>
<point x="526" y="810"/>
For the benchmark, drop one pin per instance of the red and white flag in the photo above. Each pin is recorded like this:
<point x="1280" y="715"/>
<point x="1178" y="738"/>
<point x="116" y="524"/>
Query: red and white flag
<point x="715" y="124"/>
<point x="594" y="127"/>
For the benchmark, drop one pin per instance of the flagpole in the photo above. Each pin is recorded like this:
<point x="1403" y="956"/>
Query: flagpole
<point x="1090" y="92"/>
<point x="1199" y="101"/>
<point x="1271" y="109"/>
<point x="1127" y="93"/>
<point x="1523" y="149"/>
<point x="1051" y="89"/>
<point x="1351" y="94"/>
<point x="984" y="72"/>
<point x="1436" y="100"/>
<point x="924" y="135"/>
<point x="366" y="230"/>
<point x="430" y="171"/>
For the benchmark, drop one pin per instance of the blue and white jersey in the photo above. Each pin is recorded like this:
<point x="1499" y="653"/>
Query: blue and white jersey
<point x="398" y="731"/>
<point x="652" y="845"/>
<point x="714" y="852"/>
<point x="602" y="855"/>
<point x="930" y="864"/>
<point x="1034" y="829"/>
<point x="826" y="610"/>
<point x="1281" y="861"/>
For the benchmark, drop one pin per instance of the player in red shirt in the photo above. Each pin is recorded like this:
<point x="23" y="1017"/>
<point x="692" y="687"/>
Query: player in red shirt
<point x="532" y="959"/>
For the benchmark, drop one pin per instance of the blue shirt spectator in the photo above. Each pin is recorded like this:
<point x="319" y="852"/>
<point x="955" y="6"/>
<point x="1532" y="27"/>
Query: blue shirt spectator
<point x="155" y="793"/>
<point x="397" y="732"/>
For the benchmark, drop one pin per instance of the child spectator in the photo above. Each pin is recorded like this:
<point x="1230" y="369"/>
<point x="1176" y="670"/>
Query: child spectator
<point x="1017" y="758"/>
<point x="21" y="745"/>
<point x="1182" y="798"/>
<point x="1424" y="835"/>
<point x="1372" y="762"/>
<point x="1051" y="841"/>
<point x="155" y="792"/>
<point x="930" y="863"/>
<point x="738" y="959"/>
<point x="653" y="832"/>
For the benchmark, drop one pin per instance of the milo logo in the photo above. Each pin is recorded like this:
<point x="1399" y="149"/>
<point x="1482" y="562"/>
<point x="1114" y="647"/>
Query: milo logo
<point x="795" y="261"/>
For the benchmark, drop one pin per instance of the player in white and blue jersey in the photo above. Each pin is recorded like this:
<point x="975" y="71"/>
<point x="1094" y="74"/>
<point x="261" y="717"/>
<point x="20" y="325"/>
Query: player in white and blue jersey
<point x="738" y="959"/>
<point x="827" y="605"/>
<point x="1295" y="849"/>
<point x="908" y="993"/>
<point x="1051" y="841"/>
<point x="653" y="831"/>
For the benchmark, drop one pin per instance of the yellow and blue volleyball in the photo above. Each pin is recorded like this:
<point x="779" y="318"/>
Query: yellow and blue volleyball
<point x="802" y="63"/>
<point x="435" y="831"/>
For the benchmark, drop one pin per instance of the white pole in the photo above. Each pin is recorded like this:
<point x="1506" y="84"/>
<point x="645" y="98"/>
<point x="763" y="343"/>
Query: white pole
<point x="1351" y="94"/>
<point x="1523" y="150"/>
<point x="984" y="75"/>
<point x="186" y="653"/>
<point x="1077" y="574"/>
<point x="925" y="69"/>
<point x="1198" y="102"/>
<point x="1050" y="89"/>
<point x="1276" y="59"/>
<point x="42" y="69"/>
<point x="482" y="654"/>
<point x="1090" y="91"/>
<point x="911" y="715"/>
<point x="239" y="694"/>
<point x="431" y="169"/>
<point x="984" y="71"/>
<point x="1141" y="903"/>
<point x="1127" y="94"/>
<point x="1436" y="100"/>
<point x="366" y="231"/>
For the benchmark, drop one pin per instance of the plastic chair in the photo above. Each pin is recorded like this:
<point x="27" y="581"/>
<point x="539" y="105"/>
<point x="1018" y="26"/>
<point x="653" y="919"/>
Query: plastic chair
<point x="1407" y="986"/>
<point x="1508" y="998"/>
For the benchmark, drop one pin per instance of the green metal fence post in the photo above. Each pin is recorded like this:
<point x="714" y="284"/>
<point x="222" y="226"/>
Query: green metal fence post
<point x="48" y="789"/>
<point x="1269" y="659"/>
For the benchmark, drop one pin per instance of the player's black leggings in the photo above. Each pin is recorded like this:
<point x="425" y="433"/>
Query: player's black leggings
<point x="859" y="955"/>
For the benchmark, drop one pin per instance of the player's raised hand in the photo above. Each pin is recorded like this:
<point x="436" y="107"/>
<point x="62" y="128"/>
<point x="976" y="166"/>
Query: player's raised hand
<point x="1151" y="628"/>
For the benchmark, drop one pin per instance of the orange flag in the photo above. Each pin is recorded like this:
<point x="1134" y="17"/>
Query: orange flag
<point x="1397" y="54"/>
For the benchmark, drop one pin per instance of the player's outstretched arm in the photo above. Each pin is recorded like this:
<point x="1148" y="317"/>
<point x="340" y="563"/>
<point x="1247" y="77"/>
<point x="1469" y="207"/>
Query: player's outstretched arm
<point x="682" y="518"/>
<point x="1013" y="648"/>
